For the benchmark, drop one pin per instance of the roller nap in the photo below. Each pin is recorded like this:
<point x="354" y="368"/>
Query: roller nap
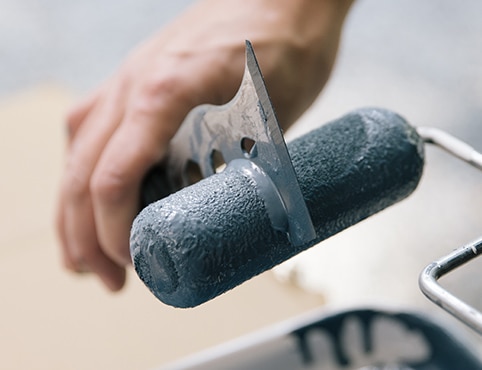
<point x="210" y="237"/>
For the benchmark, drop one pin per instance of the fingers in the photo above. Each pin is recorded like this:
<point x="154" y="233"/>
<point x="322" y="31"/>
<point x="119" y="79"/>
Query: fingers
<point x="84" y="249"/>
<point x="116" y="181"/>
<point x="110" y="153"/>
<point x="76" y="224"/>
<point x="116" y="137"/>
<point x="138" y="144"/>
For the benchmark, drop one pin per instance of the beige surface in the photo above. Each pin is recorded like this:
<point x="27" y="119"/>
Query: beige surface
<point x="53" y="320"/>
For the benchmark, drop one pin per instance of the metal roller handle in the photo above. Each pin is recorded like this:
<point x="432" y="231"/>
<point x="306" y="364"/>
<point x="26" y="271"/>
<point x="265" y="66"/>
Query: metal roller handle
<point x="429" y="276"/>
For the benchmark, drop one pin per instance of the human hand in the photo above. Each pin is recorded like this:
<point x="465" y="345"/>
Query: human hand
<point x="118" y="133"/>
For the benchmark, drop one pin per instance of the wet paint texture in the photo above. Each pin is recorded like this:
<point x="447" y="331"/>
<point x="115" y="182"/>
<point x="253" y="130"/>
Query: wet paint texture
<point x="210" y="237"/>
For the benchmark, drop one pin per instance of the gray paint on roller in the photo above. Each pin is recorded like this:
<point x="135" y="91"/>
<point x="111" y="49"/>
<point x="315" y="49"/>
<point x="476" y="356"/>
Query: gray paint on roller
<point x="210" y="237"/>
<point x="194" y="244"/>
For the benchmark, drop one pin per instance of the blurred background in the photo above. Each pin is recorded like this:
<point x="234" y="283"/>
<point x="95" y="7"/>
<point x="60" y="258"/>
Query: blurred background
<point x="421" y="59"/>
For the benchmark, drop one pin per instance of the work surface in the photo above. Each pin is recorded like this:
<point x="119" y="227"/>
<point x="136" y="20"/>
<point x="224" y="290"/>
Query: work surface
<point x="427" y="68"/>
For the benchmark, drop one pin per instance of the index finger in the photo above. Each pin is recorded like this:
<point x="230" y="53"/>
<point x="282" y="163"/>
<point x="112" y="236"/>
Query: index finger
<point x="138" y="144"/>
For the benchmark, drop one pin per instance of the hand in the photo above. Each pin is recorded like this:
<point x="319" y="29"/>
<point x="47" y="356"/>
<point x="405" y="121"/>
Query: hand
<point x="118" y="133"/>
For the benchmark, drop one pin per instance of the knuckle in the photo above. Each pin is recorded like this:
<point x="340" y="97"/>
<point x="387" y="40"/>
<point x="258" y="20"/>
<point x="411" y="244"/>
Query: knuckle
<point x="165" y="84"/>
<point x="157" y="92"/>
<point x="109" y="186"/>
<point x="76" y="182"/>
<point x="164" y="101"/>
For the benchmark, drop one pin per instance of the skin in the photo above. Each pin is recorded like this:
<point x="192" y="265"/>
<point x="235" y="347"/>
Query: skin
<point x="122" y="129"/>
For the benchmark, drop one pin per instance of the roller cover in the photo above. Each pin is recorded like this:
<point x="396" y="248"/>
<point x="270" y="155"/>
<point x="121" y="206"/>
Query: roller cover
<point x="210" y="237"/>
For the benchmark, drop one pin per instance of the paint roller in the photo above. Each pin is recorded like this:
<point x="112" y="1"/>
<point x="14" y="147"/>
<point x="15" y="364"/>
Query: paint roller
<point x="213" y="235"/>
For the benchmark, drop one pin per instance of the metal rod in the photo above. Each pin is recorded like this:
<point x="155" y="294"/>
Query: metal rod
<point x="429" y="276"/>
<point x="430" y="287"/>
<point x="452" y="145"/>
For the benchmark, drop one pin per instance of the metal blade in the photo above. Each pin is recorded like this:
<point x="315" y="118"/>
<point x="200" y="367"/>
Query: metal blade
<point x="246" y="128"/>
